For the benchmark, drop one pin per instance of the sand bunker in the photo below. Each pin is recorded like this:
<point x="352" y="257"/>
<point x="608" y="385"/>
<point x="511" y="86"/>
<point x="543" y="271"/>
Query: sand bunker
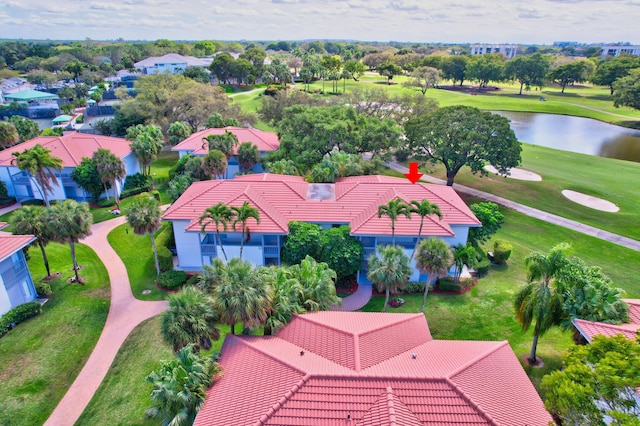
<point x="591" y="202"/>
<point x="514" y="173"/>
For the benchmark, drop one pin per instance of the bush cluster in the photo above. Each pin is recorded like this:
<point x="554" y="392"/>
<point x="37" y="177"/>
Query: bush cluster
<point x="449" y="284"/>
<point x="165" y="259"/>
<point x="138" y="180"/>
<point x="43" y="289"/>
<point x="501" y="251"/>
<point x="172" y="280"/>
<point x="19" y="314"/>
<point x="414" y="287"/>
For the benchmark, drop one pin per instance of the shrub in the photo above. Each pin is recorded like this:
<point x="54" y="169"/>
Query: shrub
<point x="43" y="289"/>
<point x="7" y="201"/>
<point x="156" y="194"/>
<point x="193" y="280"/>
<point x="33" y="202"/>
<point x="80" y="119"/>
<point x="138" y="180"/>
<point x="133" y="191"/>
<point x="501" y="251"/>
<point x="3" y="190"/>
<point x="165" y="238"/>
<point x="165" y="259"/>
<point x="482" y="267"/>
<point x="449" y="284"/>
<point x="19" y="314"/>
<point x="106" y="202"/>
<point x="172" y="280"/>
<point x="414" y="287"/>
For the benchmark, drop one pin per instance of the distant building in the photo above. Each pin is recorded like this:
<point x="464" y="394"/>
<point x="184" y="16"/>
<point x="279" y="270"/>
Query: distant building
<point x="617" y="50"/>
<point x="508" y="50"/>
<point x="564" y="44"/>
<point x="36" y="104"/>
<point x="171" y="62"/>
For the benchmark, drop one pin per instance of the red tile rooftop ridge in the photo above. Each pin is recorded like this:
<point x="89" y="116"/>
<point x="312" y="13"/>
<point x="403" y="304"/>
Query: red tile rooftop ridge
<point x="287" y="396"/>
<point x="471" y="402"/>
<point x="477" y="359"/>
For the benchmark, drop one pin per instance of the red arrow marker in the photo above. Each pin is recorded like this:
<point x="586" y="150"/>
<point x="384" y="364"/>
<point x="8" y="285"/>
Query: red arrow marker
<point x="413" y="174"/>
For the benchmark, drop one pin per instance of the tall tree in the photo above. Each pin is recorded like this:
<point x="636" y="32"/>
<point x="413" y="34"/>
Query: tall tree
<point x="180" y="388"/>
<point x="248" y="156"/>
<point x="389" y="270"/>
<point x="454" y="68"/>
<point x="190" y="319"/>
<point x="27" y="128"/>
<point x="597" y="384"/>
<point x="610" y="71"/>
<point x="41" y="166"/>
<point x="8" y="135"/>
<point x="225" y="142"/>
<point x="434" y="258"/>
<point x="539" y="300"/>
<point x="242" y="214"/>
<point x="572" y="72"/>
<point x="111" y="169"/>
<point x="147" y="143"/>
<point x="215" y="163"/>
<point x="423" y="78"/>
<point x="529" y="70"/>
<point x="220" y="216"/>
<point x="627" y="90"/>
<point x="423" y="208"/>
<point x="394" y="209"/>
<point x="485" y="68"/>
<point x="144" y="217"/>
<point x="459" y="135"/>
<point x="87" y="177"/>
<point x="355" y="68"/>
<point x="389" y="70"/>
<point x="242" y="295"/>
<point x="178" y="131"/>
<point x="33" y="220"/>
<point x="489" y="215"/>
<point x="69" y="222"/>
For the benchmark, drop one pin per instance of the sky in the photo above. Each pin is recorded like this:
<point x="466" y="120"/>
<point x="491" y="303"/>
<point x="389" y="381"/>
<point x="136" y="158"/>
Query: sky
<point x="455" y="21"/>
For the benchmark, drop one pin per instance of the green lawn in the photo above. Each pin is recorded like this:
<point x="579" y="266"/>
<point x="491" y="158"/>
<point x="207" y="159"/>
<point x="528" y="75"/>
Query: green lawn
<point x="41" y="357"/>
<point x="610" y="179"/>
<point x="123" y="395"/>
<point x="137" y="254"/>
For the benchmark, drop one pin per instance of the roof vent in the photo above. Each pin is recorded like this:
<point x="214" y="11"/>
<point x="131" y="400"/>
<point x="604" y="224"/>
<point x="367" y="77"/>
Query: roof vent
<point x="348" y="417"/>
<point x="414" y="356"/>
<point x="301" y="353"/>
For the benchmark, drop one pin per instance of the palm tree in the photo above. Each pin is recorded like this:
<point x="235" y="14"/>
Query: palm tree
<point x="285" y="298"/>
<point x="212" y="275"/>
<point x="69" y="222"/>
<point x="32" y="220"/>
<point x="143" y="215"/>
<point x="540" y="300"/>
<point x="225" y="142"/>
<point x="242" y="216"/>
<point x="38" y="162"/>
<point x="434" y="258"/>
<point x="241" y="295"/>
<point x="390" y="271"/>
<point x="8" y="135"/>
<point x="190" y="319"/>
<point x="215" y="164"/>
<point x="180" y="387"/>
<point x="318" y="284"/>
<point x="110" y="168"/>
<point x="463" y="255"/>
<point x="393" y="209"/>
<point x="423" y="209"/>
<point x="220" y="215"/>
<point x="148" y="141"/>
<point x="248" y="156"/>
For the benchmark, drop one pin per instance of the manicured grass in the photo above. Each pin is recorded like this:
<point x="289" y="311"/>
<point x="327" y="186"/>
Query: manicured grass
<point x="137" y="254"/>
<point x="486" y="312"/>
<point x="42" y="356"/>
<point x="161" y="165"/>
<point x="123" y="395"/>
<point x="610" y="179"/>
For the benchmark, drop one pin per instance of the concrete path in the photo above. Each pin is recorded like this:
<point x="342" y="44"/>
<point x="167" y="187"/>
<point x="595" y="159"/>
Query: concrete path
<point x="530" y="211"/>
<point x="12" y="207"/>
<point x="125" y="313"/>
<point x="356" y="300"/>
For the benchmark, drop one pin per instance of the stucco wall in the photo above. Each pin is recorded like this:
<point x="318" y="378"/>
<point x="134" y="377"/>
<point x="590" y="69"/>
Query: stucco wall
<point x="187" y="245"/>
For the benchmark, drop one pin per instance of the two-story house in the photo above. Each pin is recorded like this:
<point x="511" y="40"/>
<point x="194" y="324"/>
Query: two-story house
<point x="16" y="285"/>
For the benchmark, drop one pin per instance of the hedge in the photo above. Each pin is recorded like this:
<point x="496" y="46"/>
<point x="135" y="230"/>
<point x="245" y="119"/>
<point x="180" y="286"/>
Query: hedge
<point x="172" y="280"/>
<point x="448" y="284"/>
<point x="501" y="251"/>
<point x="414" y="287"/>
<point x="19" y="314"/>
<point x="165" y="238"/>
<point x="165" y="258"/>
<point x="43" y="289"/>
<point x="134" y="191"/>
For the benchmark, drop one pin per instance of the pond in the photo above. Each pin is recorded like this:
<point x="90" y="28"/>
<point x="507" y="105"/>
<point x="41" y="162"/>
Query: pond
<point x="576" y="134"/>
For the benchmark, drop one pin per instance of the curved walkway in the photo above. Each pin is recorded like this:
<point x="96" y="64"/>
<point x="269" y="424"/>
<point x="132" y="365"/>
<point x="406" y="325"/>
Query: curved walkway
<point x="356" y="300"/>
<point x="125" y="313"/>
<point x="535" y="213"/>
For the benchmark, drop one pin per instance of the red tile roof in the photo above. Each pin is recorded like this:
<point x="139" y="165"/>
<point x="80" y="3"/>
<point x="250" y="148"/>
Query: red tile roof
<point x="371" y="368"/>
<point x="265" y="141"/>
<point x="70" y="148"/>
<point x="10" y="244"/>
<point x="589" y="329"/>
<point x="282" y="199"/>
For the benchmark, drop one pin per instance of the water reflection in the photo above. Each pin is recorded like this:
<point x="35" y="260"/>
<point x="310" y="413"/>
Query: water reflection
<point x="576" y="134"/>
